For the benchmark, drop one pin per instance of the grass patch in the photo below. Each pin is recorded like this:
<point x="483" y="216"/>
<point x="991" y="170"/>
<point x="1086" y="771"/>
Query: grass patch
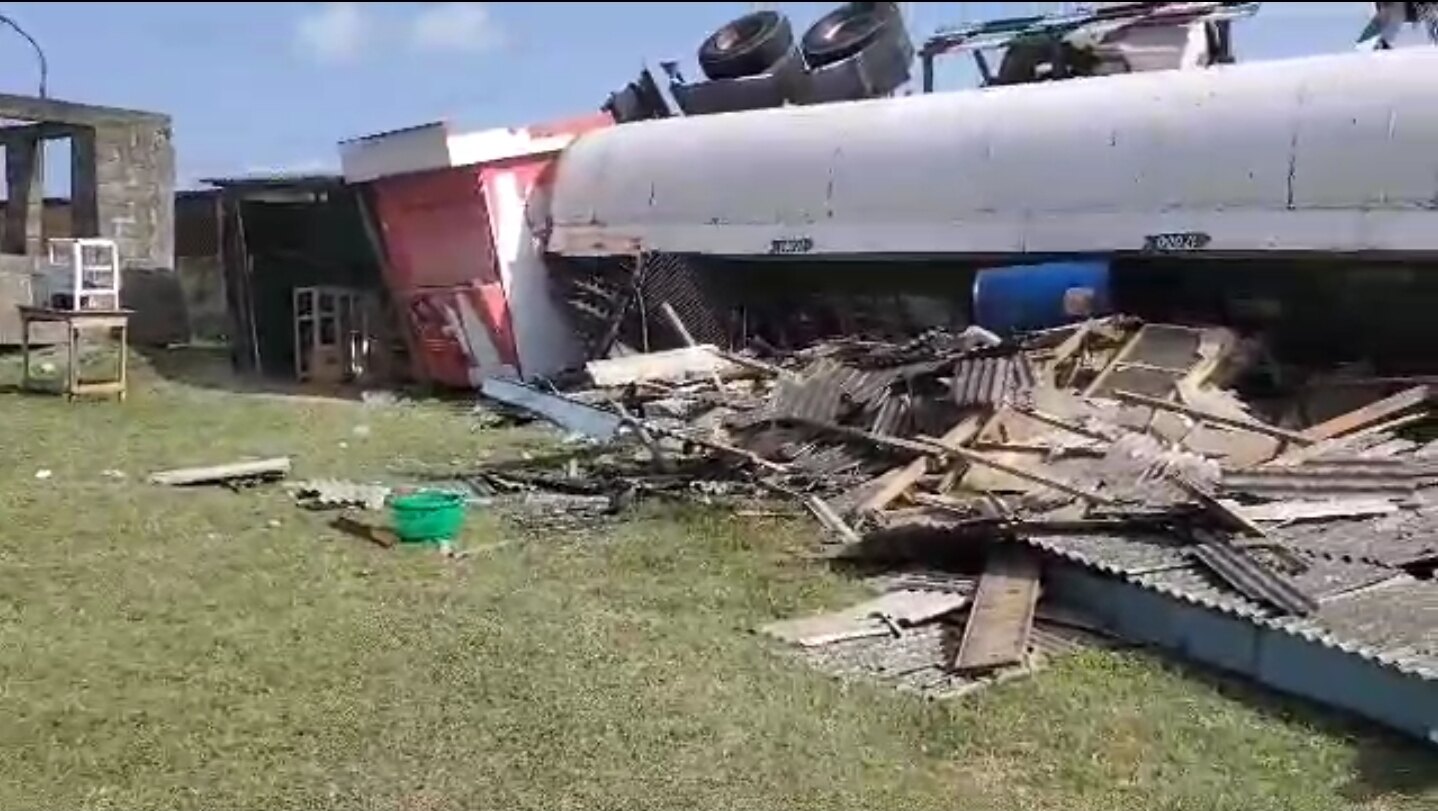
<point x="171" y="648"/>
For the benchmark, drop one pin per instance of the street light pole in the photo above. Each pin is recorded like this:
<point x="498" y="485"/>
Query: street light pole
<point x="39" y="52"/>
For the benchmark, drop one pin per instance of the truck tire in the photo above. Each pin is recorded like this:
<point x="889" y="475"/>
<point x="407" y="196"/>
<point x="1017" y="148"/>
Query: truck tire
<point x="747" y="46"/>
<point x="847" y="30"/>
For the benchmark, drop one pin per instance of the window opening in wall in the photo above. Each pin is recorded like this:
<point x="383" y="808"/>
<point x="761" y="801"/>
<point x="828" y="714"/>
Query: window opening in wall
<point x="12" y="224"/>
<point x="57" y="214"/>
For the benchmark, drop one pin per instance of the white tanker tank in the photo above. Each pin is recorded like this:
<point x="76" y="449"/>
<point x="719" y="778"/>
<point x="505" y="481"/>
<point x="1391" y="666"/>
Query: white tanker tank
<point x="1325" y="155"/>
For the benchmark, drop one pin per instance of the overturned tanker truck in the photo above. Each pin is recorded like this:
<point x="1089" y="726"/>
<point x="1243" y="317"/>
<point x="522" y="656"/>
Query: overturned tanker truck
<point x="1295" y="197"/>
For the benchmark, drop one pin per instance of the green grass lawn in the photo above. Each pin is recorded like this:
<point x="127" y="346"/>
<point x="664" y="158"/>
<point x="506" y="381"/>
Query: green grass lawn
<point x="201" y="648"/>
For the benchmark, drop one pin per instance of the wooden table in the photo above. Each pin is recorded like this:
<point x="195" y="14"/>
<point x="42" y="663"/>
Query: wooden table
<point x="76" y="322"/>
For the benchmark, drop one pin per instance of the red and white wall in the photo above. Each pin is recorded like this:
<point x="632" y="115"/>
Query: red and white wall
<point x="462" y="262"/>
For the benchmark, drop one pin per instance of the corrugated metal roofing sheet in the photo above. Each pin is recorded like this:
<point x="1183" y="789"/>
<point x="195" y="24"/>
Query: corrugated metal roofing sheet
<point x="1396" y="476"/>
<point x="821" y="392"/>
<point x="1391" y="621"/>
<point x="1254" y="579"/>
<point x="1125" y="554"/>
<point x="991" y="380"/>
<point x="1388" y="540"/>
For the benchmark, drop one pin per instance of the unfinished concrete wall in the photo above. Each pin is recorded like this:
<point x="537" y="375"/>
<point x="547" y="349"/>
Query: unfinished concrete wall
<point x="133" y="188"/>
<point x="134" y="194"/>
<point x="15" y="291"/>
<point x="26" y="186"/>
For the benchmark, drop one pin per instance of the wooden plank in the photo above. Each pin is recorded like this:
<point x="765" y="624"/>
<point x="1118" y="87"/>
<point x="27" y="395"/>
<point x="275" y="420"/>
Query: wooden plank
<point x="1216" y="419"/>
<point x="1371" y="414"/>
<point x="981" y="479"/>
<point x="1233" y="448"/>
<point x="277" y="466"/>
<point x="1072" y="344"/>
<point x="1114" y="363"/>
<point x="1066" y="350"/>
<point x="900" y="479"/>
<point x="1298" y="456"/>
<point x="678" y="324"/>
<point x="991" y="428"/>
<point x="670" y="364"/>
<point x="1213" y="348"/>
<point x="661" y="460"/>
<point x="997" y="632"/>
<point x="931" y="446"/>
<point x="722" y="447"/>
<point x="751" y="363"/>
<point x="830" y="519"/>
<point x="976" y="458"/>
<point x="1061" y="423"/>
<point x="1039" y="449"/>
<point x="1286" y="511"/>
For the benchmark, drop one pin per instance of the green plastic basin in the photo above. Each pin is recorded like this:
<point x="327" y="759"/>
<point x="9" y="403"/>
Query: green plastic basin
<point x="427" y="516"/>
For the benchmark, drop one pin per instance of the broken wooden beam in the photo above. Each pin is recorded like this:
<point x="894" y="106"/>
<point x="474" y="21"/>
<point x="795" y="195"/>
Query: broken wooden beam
<point x="1212" y="418"/>
<point x="722" y="447"/>
<point x="891" y="443"/>
<point x="932" y="445"/>
<point x="258" y="469"/>
<point x="751" y="363"/>
<point x="1002" y="615"/>
<point x="830" y="519"/>
<point x="1114" y="363"/>
<point x="952" y="506"/>
<point x="661" y="460"/>
<point x="901" y="479"/>
<point x="1071" y="345"/>
<point x="1313" y="510"/>
<point x="1298" y="456"/>
<point x="1371" y="414"/>
<point x="1040" y="449"/>
<point x="678" y="324"/>
<point x="1060" y="423"/>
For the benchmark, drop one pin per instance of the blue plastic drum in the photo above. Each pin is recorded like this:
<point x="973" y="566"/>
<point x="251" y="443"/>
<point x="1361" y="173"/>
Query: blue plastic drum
<point x="1018" y="298"/>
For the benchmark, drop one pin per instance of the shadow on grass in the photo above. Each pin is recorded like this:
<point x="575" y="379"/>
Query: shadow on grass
<point x="1385" y="762"/>
<point x="1393" y="765"/>
<point x="210" y="367"/>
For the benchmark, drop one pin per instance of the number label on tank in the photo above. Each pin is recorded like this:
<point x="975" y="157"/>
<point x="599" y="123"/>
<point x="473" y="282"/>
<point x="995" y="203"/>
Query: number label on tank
<point x="792" y="245"/>
<point x="1180" y="241"/>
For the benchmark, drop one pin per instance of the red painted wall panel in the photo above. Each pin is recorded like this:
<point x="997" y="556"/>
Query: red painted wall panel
<point x="436" y="228"/>
<point x="440" y="251"/>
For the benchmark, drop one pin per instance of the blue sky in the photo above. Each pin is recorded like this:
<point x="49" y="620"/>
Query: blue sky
<point x="273" y="86"/>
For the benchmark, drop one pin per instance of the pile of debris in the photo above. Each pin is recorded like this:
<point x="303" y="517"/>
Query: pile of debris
<point x="1108" y="452"/>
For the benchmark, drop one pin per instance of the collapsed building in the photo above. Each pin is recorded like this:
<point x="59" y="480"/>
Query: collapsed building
<point x="720" y="230"/>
